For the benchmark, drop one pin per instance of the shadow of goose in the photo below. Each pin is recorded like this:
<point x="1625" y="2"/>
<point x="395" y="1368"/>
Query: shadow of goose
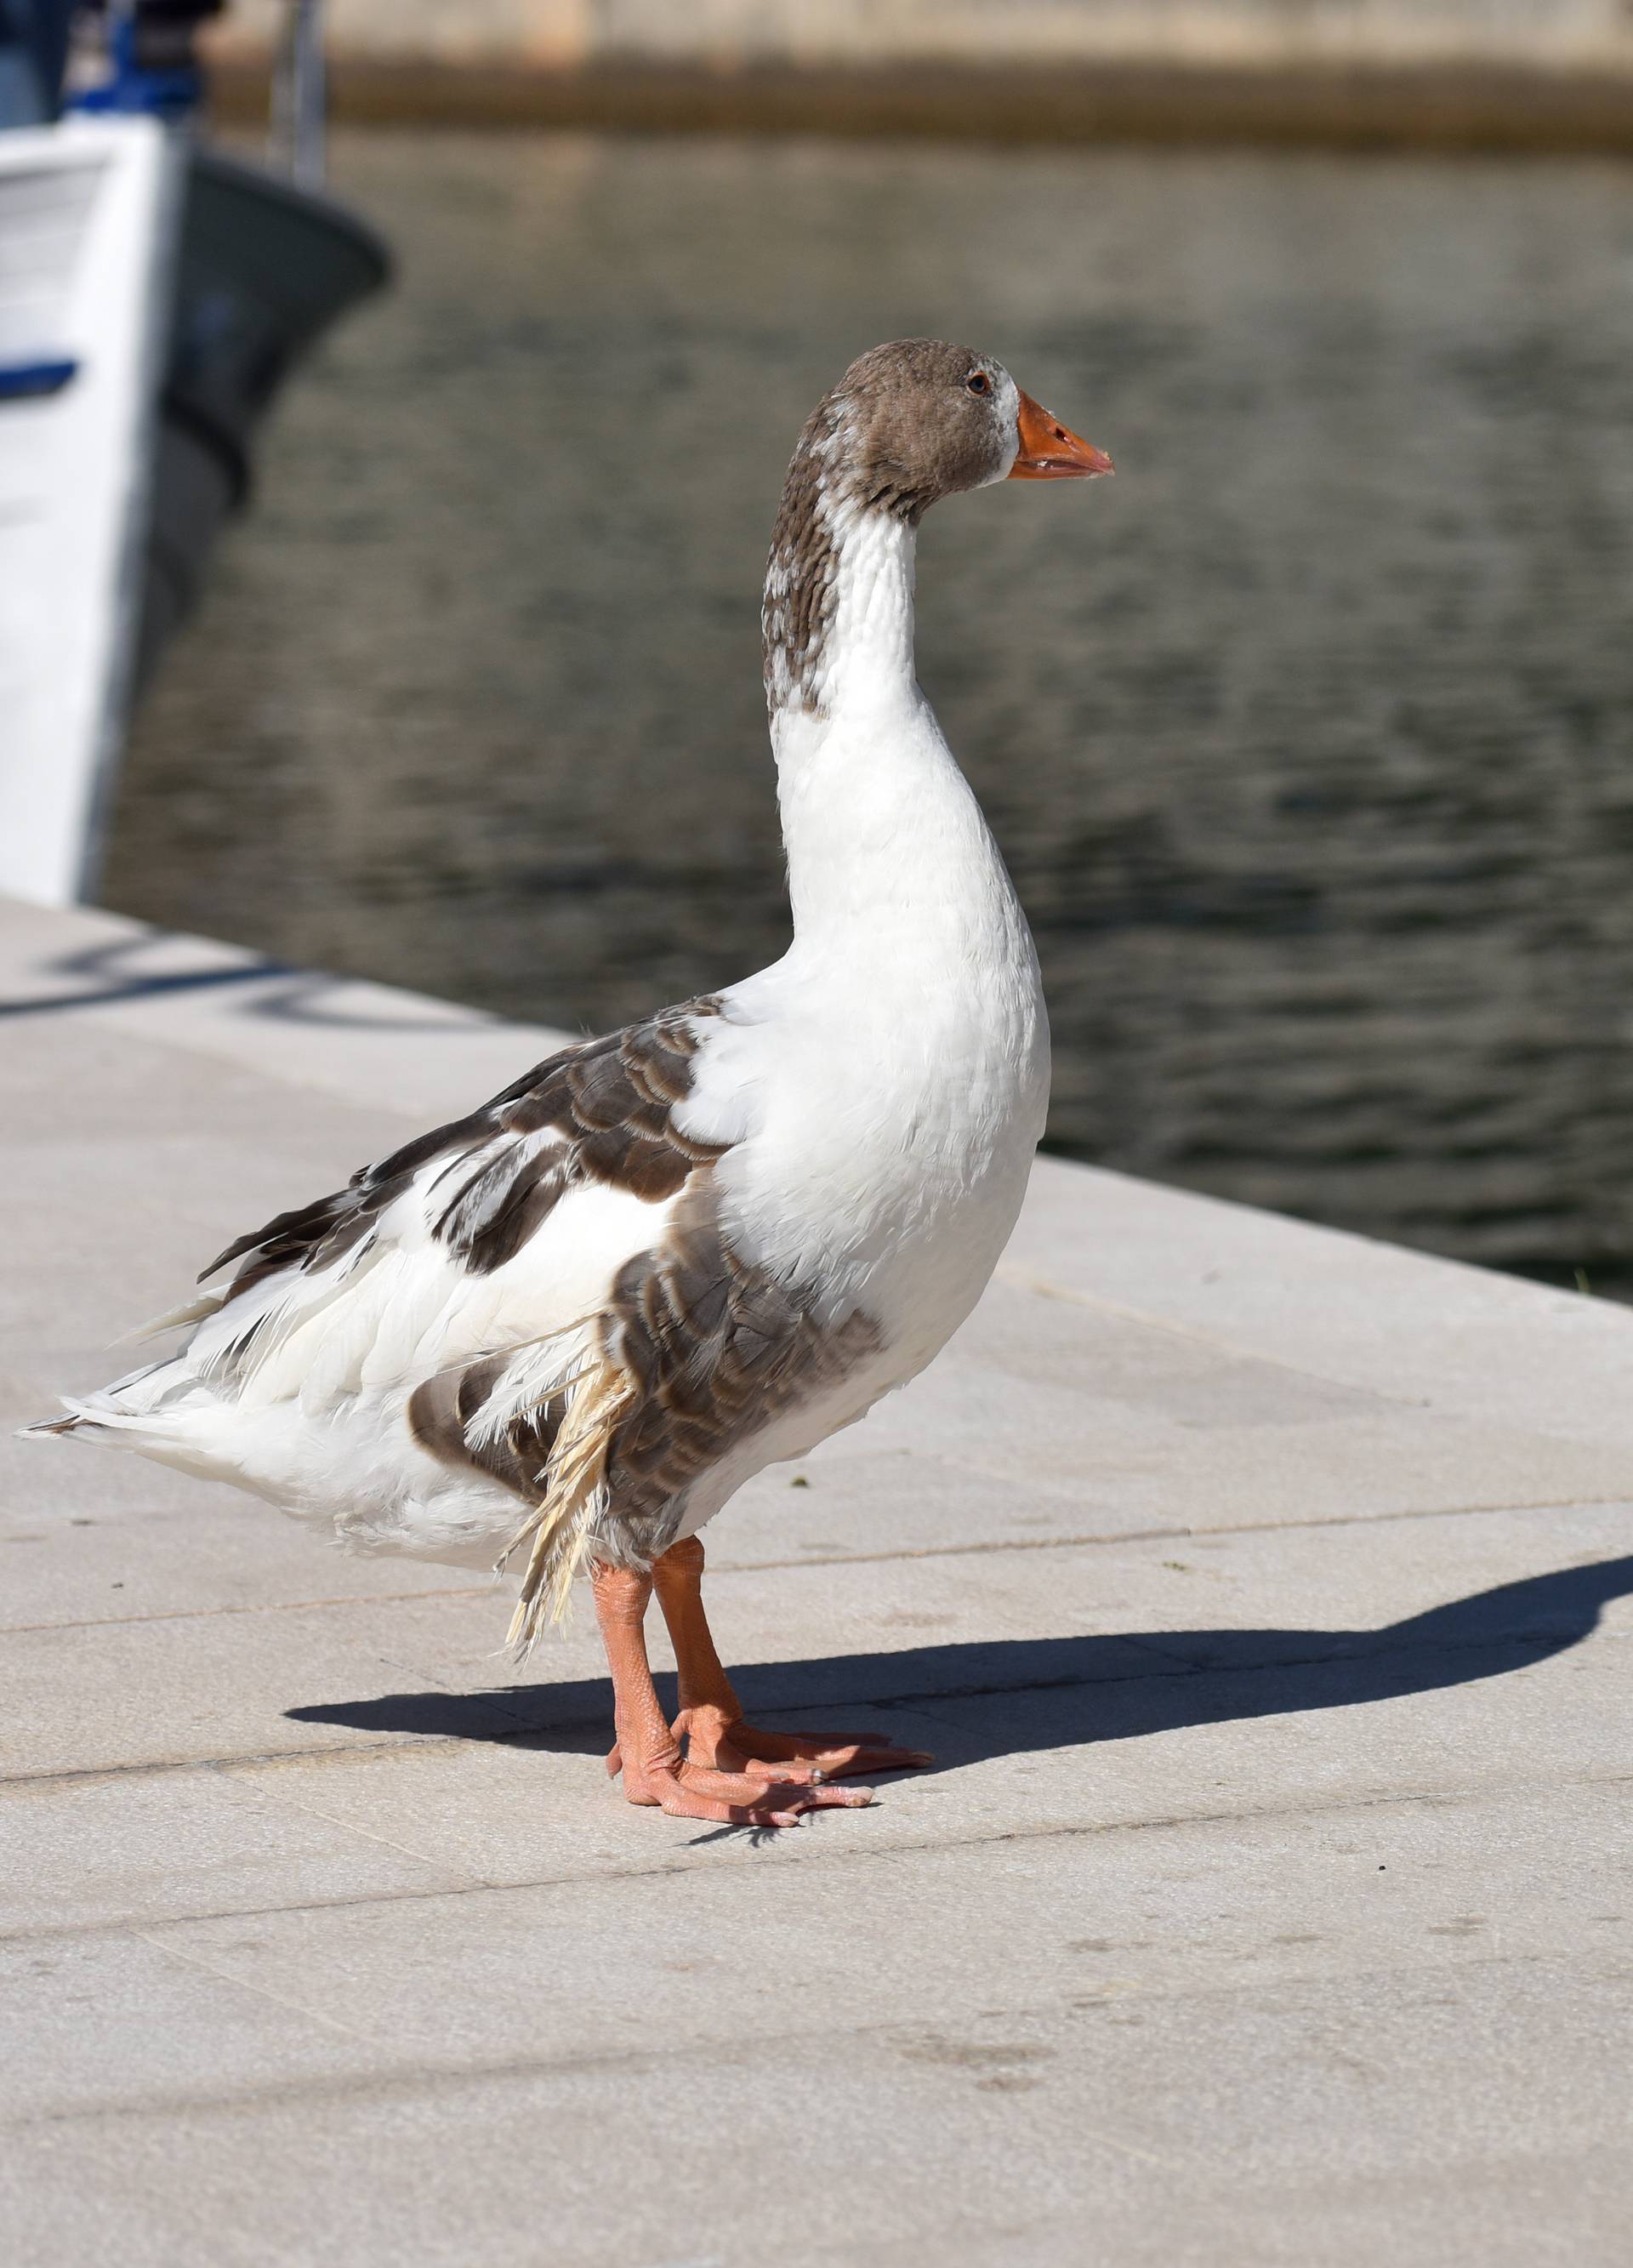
<point x="1055" y="1692"/>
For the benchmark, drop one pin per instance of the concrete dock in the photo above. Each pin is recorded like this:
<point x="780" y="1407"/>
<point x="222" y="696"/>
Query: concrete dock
<point x="1264" y="1594"/>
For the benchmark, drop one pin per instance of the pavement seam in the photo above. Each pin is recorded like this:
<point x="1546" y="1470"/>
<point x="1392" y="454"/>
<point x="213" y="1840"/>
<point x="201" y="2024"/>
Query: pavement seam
<point x="182" y="1958"/>
<point x="407" y="2080"/>
<point x="859" y="1854"/>
<point x="1184" y="1534"/>
<point x="252" y="1606"/>
<point x="1043" y="1287"/>
<point x="720" y="1567"/>
<point x="278" y="1802"/>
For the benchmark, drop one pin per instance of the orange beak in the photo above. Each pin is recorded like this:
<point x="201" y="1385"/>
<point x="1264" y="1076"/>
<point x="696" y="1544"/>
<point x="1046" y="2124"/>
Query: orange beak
<point x="1050" y="452"/>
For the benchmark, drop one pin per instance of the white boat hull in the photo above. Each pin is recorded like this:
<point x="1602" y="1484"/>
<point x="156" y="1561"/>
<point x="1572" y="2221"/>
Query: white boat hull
<point x="88" y="221"/>
<point x="153" y="296"/>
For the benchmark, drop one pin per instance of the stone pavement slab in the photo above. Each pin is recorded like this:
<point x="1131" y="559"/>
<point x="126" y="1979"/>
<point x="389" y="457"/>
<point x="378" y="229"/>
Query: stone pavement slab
<point x="1265" y="1594"/>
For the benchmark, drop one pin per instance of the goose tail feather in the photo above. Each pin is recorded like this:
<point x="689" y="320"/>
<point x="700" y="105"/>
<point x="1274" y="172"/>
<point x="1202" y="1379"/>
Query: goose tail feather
<point x="557" y="1533"/>
<point x="44" y="1426"/>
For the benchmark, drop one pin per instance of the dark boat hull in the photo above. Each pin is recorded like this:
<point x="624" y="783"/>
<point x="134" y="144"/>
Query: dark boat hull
<point x="262" y="269"/>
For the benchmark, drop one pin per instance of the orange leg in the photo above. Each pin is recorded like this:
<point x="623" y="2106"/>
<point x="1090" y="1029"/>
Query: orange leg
<point x="649" y="1753"/>
<point x="711" y="1716"/>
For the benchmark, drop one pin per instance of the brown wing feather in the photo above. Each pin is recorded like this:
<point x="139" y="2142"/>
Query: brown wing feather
<point x="610" y="1103"/>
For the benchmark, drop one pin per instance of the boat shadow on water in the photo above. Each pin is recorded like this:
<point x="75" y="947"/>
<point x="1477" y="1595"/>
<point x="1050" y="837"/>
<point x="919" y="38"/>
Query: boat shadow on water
<point x="1005" y="1696"/>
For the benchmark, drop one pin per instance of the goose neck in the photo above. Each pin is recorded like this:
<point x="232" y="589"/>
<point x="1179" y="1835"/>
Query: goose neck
<point x="837" y="616"/>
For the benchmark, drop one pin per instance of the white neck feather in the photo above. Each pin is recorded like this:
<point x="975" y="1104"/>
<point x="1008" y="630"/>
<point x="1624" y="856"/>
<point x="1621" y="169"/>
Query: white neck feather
<point x="866" y="657"/>
<point x="893" y="874"/>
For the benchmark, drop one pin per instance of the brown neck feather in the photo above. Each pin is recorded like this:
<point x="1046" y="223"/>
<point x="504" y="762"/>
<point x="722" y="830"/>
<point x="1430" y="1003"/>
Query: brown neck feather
<point x="830" y="479"/>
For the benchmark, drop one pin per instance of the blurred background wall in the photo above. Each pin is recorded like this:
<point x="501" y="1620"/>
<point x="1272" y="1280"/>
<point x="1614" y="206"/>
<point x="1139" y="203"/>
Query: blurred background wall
<point x="1512" y="73"/>
<point x="1562" y="34"/>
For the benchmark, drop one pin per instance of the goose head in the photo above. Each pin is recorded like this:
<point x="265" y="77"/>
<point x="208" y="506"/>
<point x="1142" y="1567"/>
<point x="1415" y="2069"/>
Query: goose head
<point x="908" y="424"/>
<point x="919" y="419"/>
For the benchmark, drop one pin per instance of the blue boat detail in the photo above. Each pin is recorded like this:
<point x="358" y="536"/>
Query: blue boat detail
<point x="28" y="382"/>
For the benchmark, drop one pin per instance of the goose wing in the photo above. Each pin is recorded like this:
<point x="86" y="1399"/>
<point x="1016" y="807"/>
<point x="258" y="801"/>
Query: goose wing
<point x="601" y="1113"/>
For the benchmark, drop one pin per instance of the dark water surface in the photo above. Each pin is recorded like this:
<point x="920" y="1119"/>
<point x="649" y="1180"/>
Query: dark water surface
<point x="1307" y="738"/>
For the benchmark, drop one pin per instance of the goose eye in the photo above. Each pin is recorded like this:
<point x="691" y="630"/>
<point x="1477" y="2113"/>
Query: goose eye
<point x="978" y="382"/>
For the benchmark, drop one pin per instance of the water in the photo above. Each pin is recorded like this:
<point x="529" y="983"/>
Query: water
<point x="1307" y="738"/>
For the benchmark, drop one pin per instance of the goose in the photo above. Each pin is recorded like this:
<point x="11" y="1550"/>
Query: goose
<point x="566" y="1329"/>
